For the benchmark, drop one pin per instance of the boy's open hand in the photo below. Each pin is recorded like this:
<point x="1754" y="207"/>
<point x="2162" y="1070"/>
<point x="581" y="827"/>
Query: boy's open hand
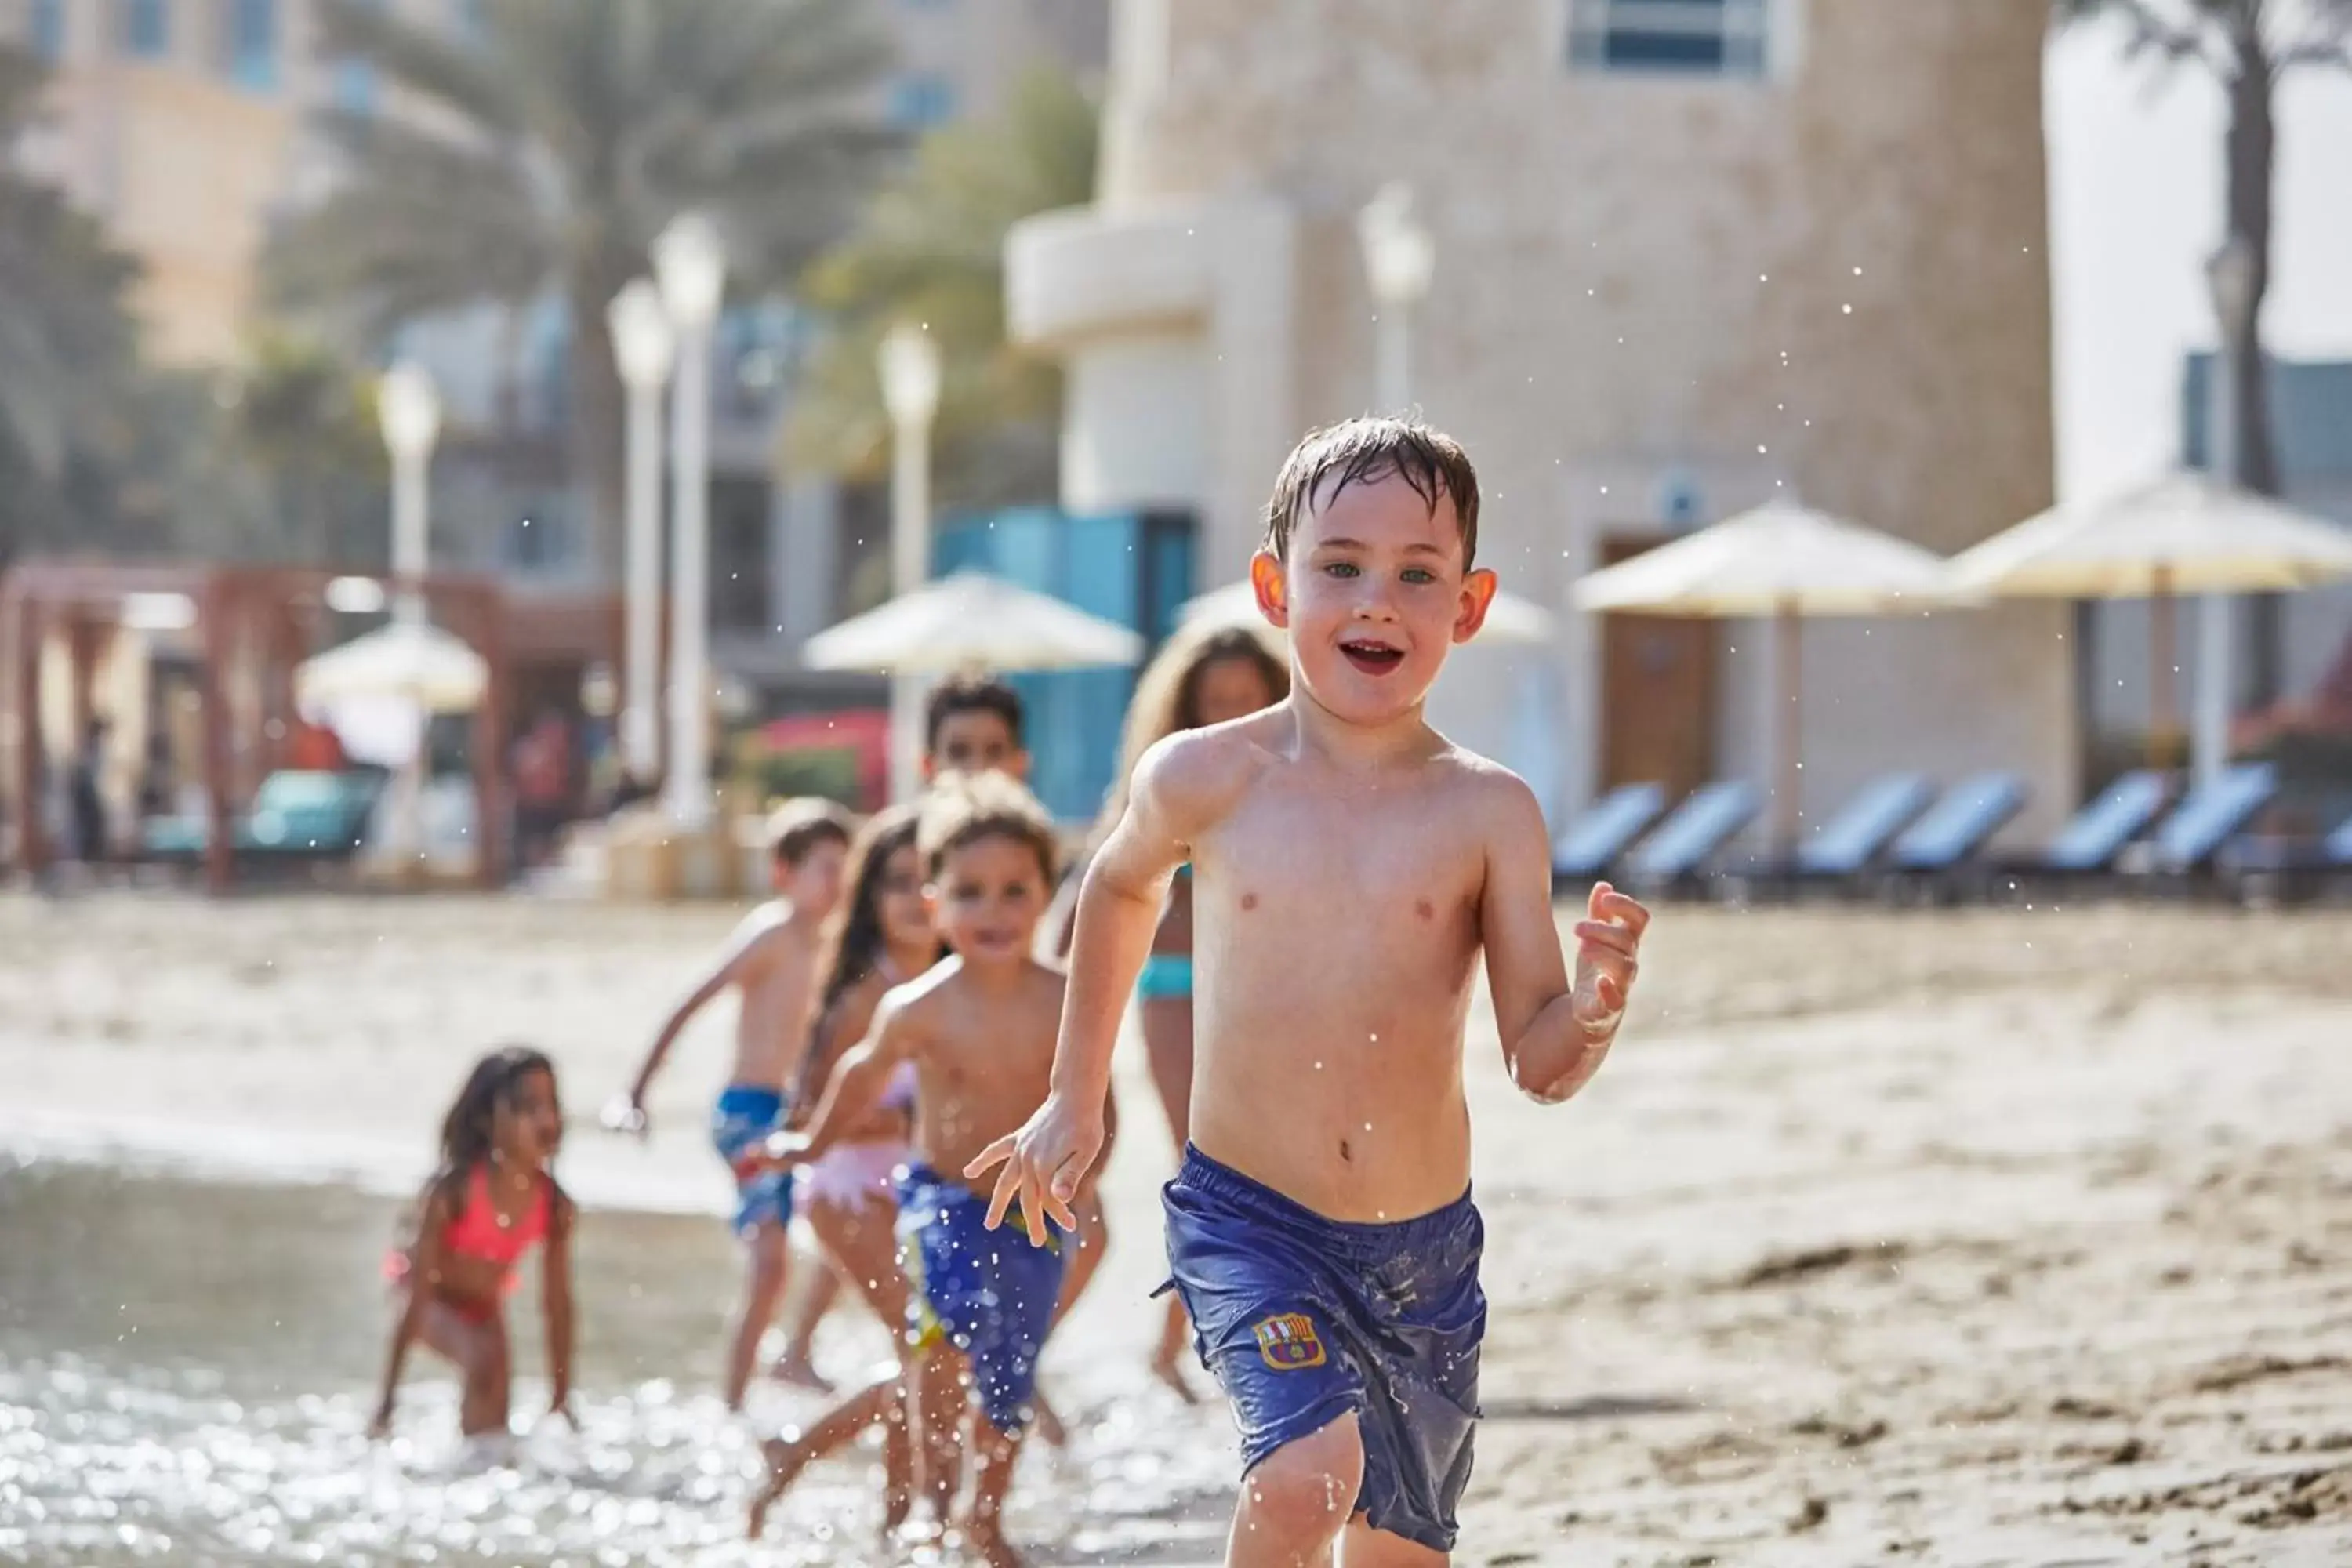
<point x="1608" y="956"/>
<point x="1044" y="1163"/>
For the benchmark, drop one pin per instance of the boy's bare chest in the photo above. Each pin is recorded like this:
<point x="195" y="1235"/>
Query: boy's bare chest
<point x="1377" y="862"/>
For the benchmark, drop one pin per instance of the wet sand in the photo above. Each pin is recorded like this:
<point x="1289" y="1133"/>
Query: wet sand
<point x="2017" y="1237"/>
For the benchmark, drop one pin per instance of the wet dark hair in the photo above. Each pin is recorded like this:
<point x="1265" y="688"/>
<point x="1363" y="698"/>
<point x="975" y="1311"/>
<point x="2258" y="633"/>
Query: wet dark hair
<point x="799" y="825"/>
<point x="1365" y="452"/>
<point x="964" y="808"/>
<point x="465" y="1131"/>
<point x="853" y="938"/>
<point x="970" y="693"/>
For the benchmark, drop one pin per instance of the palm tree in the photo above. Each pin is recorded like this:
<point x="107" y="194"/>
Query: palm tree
<point x="547" y="148"/>
<point x="931" y="248"/>
<point x="68" y="346"/>
<point x="2248" y="46"/>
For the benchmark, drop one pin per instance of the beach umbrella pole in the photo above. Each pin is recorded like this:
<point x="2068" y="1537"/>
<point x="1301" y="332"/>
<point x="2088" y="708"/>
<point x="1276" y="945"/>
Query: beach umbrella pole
<point x="1789" y="681"/>
<point x="2164" y="668"/>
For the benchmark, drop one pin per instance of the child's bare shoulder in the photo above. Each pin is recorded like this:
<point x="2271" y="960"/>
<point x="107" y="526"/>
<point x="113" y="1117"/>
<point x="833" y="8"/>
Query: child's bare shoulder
<point x="918" y="1005"/>
<point x="1489" y="793"/>
<point x="1196" y="776"/>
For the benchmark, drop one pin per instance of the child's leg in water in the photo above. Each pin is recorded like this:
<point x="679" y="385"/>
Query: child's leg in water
<point x="941" y="1402"/>
<point x="763" y="1287"/>
<point x="477" y="1348"/>
<point x="999" y="1452"/>
<point x="804" y="1309"/>
<point x="863" y="1247"/>
<point x="787" y="1457"/>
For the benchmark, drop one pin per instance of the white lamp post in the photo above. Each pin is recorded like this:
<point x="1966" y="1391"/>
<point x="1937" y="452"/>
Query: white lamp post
<point x="644" y="347"/>
<point x="690" y="264"/>
<point x="408" y="409"/>
<point x="909" y="365"/>
<point x="1400" y="256"/>
<point x="2231" y="274"/>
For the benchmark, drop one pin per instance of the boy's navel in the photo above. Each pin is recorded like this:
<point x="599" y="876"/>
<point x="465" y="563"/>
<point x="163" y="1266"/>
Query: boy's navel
<point x="1249" y="901"/>
<point x="1424" y="909"/>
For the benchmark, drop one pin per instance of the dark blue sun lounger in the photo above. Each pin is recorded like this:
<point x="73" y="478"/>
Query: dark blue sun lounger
<point x="1694" y="834"/>
<point x="1597" y="840"/>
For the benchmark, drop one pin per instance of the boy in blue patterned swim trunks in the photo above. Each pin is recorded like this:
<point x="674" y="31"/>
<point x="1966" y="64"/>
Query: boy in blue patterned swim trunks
<point x="1351" y="868"/>
<point x="979" y="1029"/>
<point x="771" y="963"/>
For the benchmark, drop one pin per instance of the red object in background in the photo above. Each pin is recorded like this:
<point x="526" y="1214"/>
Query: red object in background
<point x="863" y="731"/>
<point x="314" y="748"/>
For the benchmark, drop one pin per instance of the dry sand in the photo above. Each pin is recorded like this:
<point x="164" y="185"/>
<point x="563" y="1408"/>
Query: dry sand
<point x="2019" y="1236"/>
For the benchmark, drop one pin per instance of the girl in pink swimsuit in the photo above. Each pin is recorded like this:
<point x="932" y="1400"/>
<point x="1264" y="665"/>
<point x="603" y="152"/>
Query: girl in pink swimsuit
<point x="880" y="937"/>
<point x="492" y="1200"/>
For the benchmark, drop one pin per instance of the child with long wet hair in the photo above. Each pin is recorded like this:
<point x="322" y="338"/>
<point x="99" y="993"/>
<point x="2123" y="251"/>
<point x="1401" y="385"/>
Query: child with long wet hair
<point x="491" y="1201"/>
<point x="880" y="937"/>
<point x="1202" y="675"/>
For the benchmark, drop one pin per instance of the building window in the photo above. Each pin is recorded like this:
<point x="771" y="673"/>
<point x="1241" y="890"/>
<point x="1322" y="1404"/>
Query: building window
<point x="921" y="100"/>
<point x="48" y="30"/>
<point x="1689" y="38"/>
<point x="146" y="28"/>
<point x="253" y="44"/>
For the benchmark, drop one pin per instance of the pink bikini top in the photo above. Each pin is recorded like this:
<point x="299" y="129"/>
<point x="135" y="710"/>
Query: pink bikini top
<point x="477" y="1232"/>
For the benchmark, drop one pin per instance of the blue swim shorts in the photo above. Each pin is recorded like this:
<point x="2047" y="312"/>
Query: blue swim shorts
<point x="990" y="1294"/>
<point x="1302" y="1320"/>
<point x="741" y="1120"/>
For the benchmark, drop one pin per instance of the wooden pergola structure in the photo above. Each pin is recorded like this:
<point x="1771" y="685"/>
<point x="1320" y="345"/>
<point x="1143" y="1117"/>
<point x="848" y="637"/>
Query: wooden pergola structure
<point x="267" y="612"/>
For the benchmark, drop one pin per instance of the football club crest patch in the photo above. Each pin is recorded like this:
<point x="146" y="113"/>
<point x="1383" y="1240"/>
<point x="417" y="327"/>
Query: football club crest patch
<point x="1288" y="1342"/>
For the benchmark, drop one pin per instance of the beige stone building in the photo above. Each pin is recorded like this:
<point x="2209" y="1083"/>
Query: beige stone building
<point x="1690" y="255"/>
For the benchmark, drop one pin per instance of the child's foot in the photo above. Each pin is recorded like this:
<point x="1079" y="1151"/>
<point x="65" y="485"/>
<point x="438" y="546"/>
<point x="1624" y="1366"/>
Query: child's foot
<point x="796" y="1369"/>
<point x="1165" y="1367"/>
<point x="785" y="1462"/>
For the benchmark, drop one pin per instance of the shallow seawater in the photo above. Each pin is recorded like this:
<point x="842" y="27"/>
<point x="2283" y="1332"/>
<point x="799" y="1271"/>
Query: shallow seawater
<point x="186" y="1368"/>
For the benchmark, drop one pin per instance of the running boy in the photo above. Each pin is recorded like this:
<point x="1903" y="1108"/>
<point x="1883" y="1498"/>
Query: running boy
<point x="980" y="1030"/>
<point x="771" y="961"/>
<point x="1350" y="867"/>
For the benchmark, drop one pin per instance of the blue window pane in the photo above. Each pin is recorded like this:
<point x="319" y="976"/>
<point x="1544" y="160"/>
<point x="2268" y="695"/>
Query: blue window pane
<point x="921" y="100"/>
<point x="253" y="44"/>
<point x="1634" y="49"/>
<point x="1134" y="570"/>
<point x="146" y="28"/>
<point x="49" y="28"/>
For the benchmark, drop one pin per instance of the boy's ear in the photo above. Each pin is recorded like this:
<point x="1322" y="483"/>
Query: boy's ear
<point x="1273" y="586"/>
<point x="1477" y="597"/>
<point x="930" y="768"/>
<point x="1019" y="766"/>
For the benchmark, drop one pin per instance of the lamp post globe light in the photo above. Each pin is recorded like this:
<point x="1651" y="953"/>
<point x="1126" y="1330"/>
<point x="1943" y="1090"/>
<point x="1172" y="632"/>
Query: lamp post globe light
<point x="908" y="363"/>
<point x="690" y="267"/>
<point x="2230" y="275"/>
<point x="1400" y="259"/>
<point x="643" y="349"/>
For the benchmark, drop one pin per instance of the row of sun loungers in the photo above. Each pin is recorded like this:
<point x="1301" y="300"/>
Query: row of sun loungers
<point x="1902" y="832"/>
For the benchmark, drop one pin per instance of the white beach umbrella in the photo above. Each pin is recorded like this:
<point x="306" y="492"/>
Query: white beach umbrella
<point x="1510" y="619"/>
<point x="1780" y="562"/>
<point x="408" y="661"/>
<point x="2182" y="534"/>
<point x="971" y="618"/>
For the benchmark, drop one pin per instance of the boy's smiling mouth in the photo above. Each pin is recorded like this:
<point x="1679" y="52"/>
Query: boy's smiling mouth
<point x="1371" y="656"/>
